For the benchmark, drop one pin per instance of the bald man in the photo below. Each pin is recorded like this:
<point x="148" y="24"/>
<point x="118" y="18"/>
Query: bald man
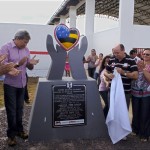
<point x="125" y="66"/>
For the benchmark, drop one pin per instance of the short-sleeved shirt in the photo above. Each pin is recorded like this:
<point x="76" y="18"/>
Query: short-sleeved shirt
<point x="140" y="87"/>
<point x="91" y="63"/>
<point x="15" y="55"/>
<point x="67" y="66"/>
<point x="102" y="85"/>
<point x="128" y="65"/>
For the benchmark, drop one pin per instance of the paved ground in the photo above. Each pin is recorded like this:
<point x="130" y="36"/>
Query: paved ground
<point x="133" y="142"/>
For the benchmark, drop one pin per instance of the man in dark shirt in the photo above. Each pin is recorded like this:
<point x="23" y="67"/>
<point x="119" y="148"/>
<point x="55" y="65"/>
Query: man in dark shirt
<point x="125" y="66"/>
<point x="133" y="55"/>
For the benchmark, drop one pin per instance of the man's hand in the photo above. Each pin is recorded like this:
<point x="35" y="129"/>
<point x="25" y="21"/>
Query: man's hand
<point x="131" y="75"/>
<point x="22" y="61"/>
<point x="120" y="70"/>
<point x="14" y="72"/>
<point x="34" y="61"/>
<point x="5" y="68"/>
<point x="2" y="57"/>
<point x="9" y="68"/>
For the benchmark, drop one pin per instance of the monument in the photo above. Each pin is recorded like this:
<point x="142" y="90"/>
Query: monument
<point x="66" y="107"/>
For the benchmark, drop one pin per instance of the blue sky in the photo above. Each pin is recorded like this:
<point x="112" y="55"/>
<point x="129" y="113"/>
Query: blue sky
<point x="28" y="12"/>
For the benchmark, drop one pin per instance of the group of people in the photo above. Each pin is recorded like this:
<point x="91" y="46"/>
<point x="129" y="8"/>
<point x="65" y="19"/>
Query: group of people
<point x="134" y="71"/>
<point x="14" y="59"/>
<point x="135" y="75"/>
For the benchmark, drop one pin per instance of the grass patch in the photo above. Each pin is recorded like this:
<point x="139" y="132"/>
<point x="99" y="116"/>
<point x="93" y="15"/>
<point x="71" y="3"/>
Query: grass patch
<point x="32" y="84"/>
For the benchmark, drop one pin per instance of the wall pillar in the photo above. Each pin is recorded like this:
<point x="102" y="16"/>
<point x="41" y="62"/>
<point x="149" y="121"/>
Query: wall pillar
<point x="72" y="16"/>
<point x="63" y="19"/>
<point x="89" y="22"/>
<point x="126" y="15"/>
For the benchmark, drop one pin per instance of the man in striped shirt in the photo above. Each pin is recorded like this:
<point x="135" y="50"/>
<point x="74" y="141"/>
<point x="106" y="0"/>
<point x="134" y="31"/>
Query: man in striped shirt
<point x="126" y="66"/>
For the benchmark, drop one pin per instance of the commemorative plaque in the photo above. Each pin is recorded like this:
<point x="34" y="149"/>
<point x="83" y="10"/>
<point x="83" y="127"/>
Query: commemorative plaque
<point x="69" y="105"/>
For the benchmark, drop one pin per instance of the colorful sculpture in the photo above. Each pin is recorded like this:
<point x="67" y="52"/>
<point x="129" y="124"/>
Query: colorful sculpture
<point x="66" y="37"/>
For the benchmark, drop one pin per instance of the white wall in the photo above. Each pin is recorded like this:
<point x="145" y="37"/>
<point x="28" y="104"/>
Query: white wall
<point x="141" y="36"/>
<point x="104" y="41"/>
<point x="37" y="43"/>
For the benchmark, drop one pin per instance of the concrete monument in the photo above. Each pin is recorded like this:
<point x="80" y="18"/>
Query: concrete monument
<point x="66" y="107"/>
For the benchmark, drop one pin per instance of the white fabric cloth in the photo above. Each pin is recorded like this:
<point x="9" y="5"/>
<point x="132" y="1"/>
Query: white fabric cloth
<point x="137" y="59"/>
<point x="117" y="120"/>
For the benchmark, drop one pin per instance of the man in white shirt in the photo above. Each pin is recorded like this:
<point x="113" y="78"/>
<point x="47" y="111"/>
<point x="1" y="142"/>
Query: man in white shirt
<point x="133" y="54"/>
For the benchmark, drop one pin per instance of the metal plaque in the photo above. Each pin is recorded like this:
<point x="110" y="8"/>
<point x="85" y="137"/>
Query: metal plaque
<point x="69" y="105"/>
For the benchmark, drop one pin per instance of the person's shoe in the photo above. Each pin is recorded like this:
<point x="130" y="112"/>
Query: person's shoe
<point x="12" y="142"/>
<point x="133" y="133"/>
<point x="125" y="138"/>
<point x="27" y="101"/>
<point x="22" y="135"/>
<point x="144" y="140"/>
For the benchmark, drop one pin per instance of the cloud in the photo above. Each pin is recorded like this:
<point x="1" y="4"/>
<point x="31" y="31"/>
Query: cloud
<point x="28" y="12"/>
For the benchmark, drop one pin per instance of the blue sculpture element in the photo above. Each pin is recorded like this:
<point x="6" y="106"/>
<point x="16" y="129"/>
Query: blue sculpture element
<point x="62" y="32"/>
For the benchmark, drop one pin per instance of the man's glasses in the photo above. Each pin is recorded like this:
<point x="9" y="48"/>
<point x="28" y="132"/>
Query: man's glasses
<point x="146" y="54"/>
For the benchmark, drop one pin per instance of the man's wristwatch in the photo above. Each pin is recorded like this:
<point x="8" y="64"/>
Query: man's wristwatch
<point x="17" y="65"/>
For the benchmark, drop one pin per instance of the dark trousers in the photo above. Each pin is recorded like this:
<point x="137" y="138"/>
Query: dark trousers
<point x="26" y="94"/>
<point x="97" y="78"/>
<point x="96" y="75"/>
<point x="14" y="101"/>
<point x="141" y="116"/>
<point x="128" y="98"/>
<point x="91" y="72"/>
<point x="104" y="96"/>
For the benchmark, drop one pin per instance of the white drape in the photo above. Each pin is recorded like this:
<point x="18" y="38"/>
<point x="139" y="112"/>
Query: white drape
<point x="117" y="120"/>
